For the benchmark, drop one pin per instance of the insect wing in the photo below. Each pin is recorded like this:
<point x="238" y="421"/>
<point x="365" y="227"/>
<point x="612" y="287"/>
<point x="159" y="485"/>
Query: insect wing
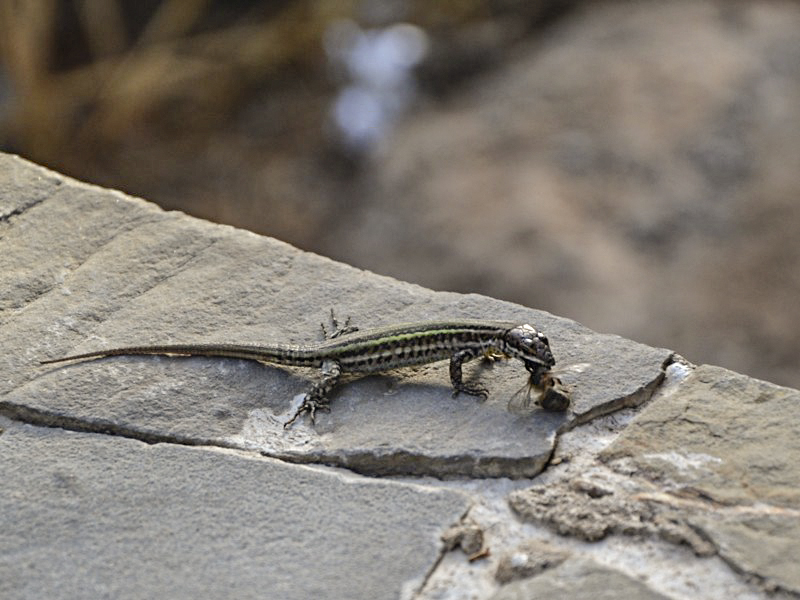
<point x="520" y="402"/>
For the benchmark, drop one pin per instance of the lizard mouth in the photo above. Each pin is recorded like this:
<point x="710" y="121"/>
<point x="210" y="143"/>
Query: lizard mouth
<point x="537" y="371"/>
<point x="552" y="394"/>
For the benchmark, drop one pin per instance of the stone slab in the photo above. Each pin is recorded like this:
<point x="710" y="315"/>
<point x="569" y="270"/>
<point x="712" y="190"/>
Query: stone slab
<point x="527" y="560"/>
<point x="90" y="516"/>
<point x="725" y="448"/>
<point x="83" y="268"/>
<point x="578" y="579"/>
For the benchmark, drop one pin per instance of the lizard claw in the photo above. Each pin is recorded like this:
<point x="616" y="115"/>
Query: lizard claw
<point x="310" y="406"/>
<point x="337" y="330"/>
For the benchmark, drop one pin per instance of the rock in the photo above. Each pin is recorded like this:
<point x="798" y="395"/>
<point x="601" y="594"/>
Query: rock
<point x="467" y="536"/>
<point x="578" y="580"/>
<point x="582" y="509"/>
<point x="86" y="515"/>
<point x="87" y="508"/>
<point x="139" y="275"/>
<point x="527" y="560"/>
<point x="728" y="445"/>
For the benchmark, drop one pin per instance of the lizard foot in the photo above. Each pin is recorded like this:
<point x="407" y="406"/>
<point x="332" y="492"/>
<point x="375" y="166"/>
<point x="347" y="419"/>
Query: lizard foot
<point x="337" y="331"/>
<point x="310" y="406"/>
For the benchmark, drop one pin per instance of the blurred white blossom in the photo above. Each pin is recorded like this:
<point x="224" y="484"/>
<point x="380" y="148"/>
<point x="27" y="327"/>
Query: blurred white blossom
<point x="377" y="66"/>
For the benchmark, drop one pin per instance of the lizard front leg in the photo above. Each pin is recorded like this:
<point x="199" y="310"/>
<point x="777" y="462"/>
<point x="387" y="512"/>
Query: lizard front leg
<point x="337" y="331"/>
<point x="317" y="398"/>
<point x="456" y="379"/>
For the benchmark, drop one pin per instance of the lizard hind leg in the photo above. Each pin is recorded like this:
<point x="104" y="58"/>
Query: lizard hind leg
<point x="317" y="398"/>
<point x="311" y="406"/>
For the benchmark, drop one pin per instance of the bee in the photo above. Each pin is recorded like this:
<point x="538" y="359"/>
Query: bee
<point x="544" y="388"/>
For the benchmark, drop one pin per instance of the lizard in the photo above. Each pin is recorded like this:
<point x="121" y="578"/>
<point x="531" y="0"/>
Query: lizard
<point x="349" y="350"/>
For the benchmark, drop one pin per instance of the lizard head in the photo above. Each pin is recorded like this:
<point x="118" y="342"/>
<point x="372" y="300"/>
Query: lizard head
<point x="530" y="346"/>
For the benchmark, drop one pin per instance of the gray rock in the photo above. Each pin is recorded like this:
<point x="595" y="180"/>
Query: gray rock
<point x="727" y="445"/>
<point x="708" y="463"/>
<point x="528" y="559"/>
<point x="467" y="536"/>
<point x="581" y="508"/>
<point x="83" y="268"/>
<point x="578" y="580"/>
<point x="764" y="545"/>
<point x="89" y="516"/>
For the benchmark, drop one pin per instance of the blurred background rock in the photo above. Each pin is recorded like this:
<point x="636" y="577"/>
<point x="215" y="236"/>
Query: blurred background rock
<point x="631" y="165"/>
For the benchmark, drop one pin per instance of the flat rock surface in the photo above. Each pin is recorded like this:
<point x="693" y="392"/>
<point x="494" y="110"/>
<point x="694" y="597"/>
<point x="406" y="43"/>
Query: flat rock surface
<point x="90" y="516"/>
<point x="82" y="268"/>
<point x="137" y="476"/>
<point x="578" y="580"/>
<point x="728" y="445"/>
<point x="710" y="465"/>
